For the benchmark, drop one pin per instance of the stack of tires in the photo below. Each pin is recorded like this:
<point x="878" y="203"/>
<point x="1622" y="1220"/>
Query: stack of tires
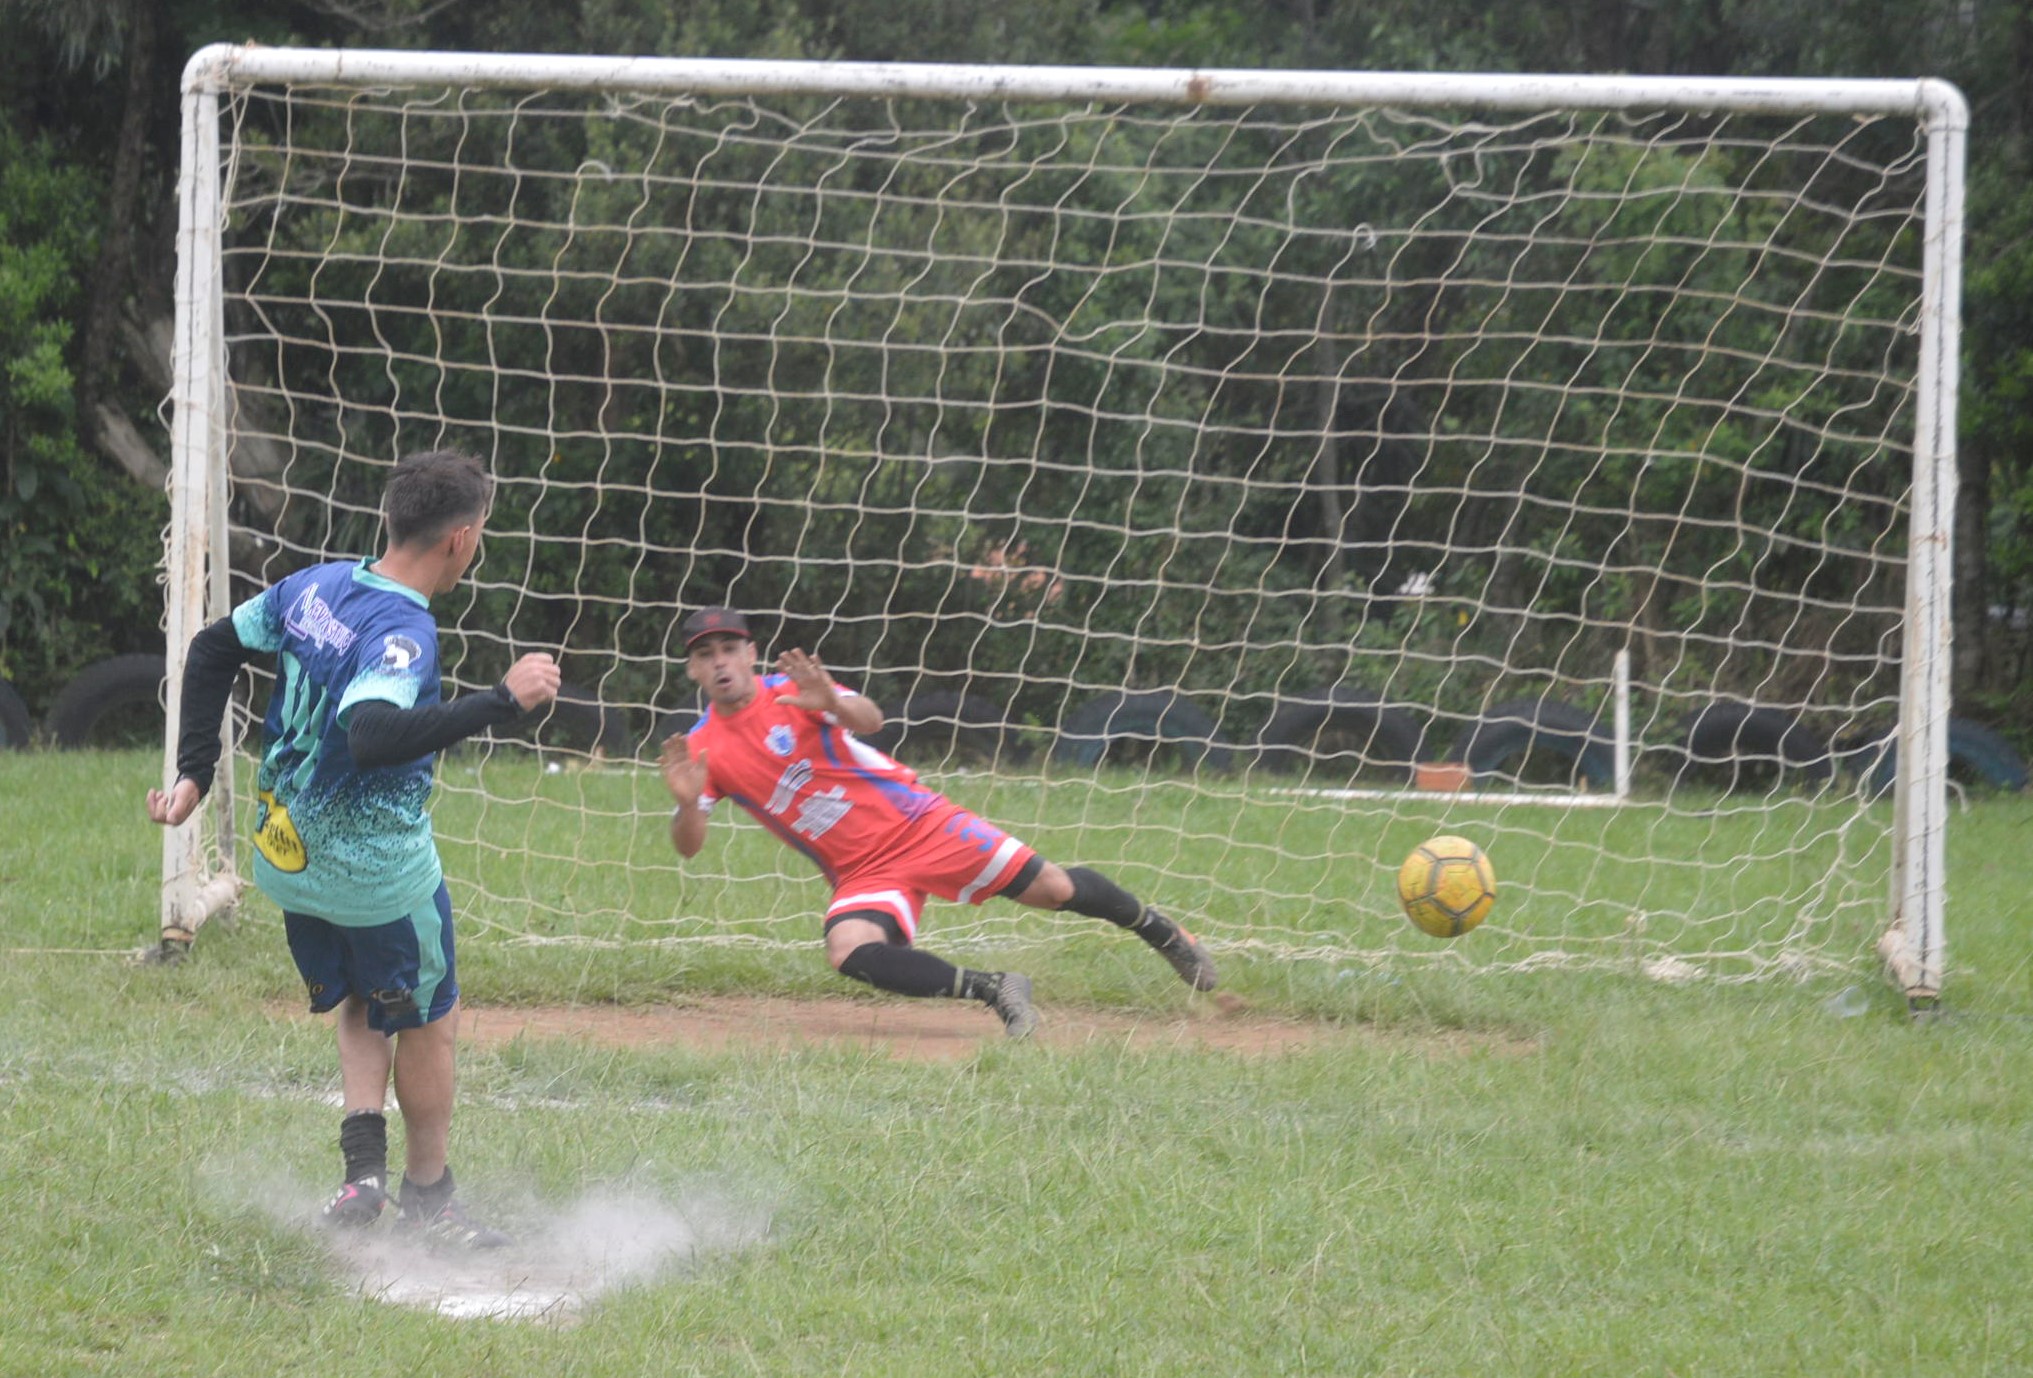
<point x="1329" y="736"/>
<point x="1743" y="746"/>
<point x="16" y="727"/>
<point x="118" y="701"/>
<point x="1539" y="741"/>
<point x="112" y="702"/>
<point x="1340" y="735"/>
<point x="1126" y="726"/>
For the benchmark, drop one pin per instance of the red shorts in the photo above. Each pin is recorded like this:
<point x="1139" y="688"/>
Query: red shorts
<point x="948" y="852"/>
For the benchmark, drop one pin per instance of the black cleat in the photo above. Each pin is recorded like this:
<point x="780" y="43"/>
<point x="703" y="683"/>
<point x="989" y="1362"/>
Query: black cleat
<point x="1013" y="1002"/>
<point x="449" y="1225"/>
<point x="356" y="1205"/>
<point x="1188" y="958"/>
<point x="444" y="1222"/>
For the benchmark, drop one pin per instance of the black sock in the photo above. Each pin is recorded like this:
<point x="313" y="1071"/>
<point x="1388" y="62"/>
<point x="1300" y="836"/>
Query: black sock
<point x="363" y="1138"/>
<point x="1098" y="897"/>
<point x="1154" y="928"/>
<point x="906" y="971"/>
<point x="979" y="985"/>
<point x="426" y="1199"/>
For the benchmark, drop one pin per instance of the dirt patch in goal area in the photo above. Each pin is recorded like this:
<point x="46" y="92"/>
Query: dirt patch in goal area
<point x="928" y="1030"/>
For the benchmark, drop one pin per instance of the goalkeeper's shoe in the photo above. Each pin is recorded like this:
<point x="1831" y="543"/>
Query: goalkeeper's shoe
<point x="1013" y="1003"/>
<point x="356" y="1205"/>
<point x="446" y="1223"/>
<point x="1186" y="955"/>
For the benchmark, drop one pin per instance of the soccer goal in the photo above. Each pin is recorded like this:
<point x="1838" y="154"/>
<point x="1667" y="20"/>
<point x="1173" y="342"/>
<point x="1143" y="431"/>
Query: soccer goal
<point x="1228" y="477"/>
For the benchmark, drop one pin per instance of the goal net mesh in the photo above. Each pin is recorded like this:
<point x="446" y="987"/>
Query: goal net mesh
<point x="1226" y="498"/>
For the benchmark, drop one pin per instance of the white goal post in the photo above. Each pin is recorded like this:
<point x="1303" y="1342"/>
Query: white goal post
<point x="1229" y="477"/>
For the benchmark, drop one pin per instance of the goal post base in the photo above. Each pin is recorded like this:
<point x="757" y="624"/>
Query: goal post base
<point x="1909" y="973"/>
<point x="170" y="949"/>
<point x="213" y="899"/>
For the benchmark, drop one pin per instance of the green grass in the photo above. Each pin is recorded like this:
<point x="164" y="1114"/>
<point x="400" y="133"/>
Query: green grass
<point x="1547" y="1173"/>
<point x="579" y="863"/>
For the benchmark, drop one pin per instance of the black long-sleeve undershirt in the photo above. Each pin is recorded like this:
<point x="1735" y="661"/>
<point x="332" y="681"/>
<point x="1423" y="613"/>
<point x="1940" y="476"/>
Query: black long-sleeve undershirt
<point x="377" y="733"/>
<point x="210" y="665"/>
<point x="380" y="734"/>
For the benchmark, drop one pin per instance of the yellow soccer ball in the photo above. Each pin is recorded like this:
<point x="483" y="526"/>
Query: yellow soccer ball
<point x="1447" y="886"/>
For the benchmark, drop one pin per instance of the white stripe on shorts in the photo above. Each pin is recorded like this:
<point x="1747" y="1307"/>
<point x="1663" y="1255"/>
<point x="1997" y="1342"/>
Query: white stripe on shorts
<point x="989" y="872"/>
<point x="890" y="901"/>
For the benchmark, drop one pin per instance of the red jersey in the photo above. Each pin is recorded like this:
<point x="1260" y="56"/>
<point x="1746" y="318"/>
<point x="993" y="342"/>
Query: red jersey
<point x="809" y="780"/>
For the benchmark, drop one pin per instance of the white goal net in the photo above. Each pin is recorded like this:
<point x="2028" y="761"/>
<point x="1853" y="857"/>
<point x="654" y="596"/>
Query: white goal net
<point x="1226" y="479"/>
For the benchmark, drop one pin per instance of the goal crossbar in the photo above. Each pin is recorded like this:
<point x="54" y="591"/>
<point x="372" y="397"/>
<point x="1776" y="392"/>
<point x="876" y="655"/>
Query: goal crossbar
<point x="223" y="67"/>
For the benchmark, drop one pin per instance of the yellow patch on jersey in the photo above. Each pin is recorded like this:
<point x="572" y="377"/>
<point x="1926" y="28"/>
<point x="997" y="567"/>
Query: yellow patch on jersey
<point x="276" y="837"/>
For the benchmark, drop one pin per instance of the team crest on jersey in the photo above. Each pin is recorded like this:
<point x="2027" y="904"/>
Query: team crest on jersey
<point x="399" y="652"/>
<point x="780" y="739"/>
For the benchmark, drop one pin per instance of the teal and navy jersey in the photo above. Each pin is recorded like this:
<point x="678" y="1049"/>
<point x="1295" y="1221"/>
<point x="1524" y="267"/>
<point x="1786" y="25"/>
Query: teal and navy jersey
<point x="349" y="845"/>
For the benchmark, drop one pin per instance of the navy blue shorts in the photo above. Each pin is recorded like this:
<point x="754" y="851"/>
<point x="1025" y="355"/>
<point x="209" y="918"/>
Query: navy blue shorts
<point x="404" y="970"/>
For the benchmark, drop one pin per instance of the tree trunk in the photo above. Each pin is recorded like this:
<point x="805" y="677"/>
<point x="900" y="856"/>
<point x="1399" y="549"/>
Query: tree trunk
<point x="1971" y="580"/>
<point x="123" y="197"/>
<point x="2021" y="102"/>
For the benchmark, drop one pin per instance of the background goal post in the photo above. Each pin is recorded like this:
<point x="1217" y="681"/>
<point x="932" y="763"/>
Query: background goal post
<point x="1230" y="477"/>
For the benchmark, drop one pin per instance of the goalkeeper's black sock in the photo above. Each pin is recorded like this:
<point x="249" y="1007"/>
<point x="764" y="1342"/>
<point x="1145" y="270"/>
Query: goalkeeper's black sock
<point x="1098" y="897"/>
<point x="1154" y="928"/>
<point x="907" y="971"/>
<point x="984" y="986"/>
<point x="363" y="1138"/>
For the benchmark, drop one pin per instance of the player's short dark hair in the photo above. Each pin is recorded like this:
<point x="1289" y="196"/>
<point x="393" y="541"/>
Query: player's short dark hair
<point x="430" y="493"/>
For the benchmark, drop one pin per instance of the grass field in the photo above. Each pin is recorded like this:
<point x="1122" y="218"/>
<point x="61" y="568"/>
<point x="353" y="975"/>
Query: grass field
<point x="1554" y="1173"/>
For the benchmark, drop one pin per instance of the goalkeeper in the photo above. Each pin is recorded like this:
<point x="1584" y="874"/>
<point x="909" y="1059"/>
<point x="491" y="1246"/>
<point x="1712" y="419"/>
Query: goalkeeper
<point x="785" y="748"/>
<point x="342" y="841"/>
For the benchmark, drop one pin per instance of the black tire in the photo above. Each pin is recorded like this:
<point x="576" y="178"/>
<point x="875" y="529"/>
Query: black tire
<point x="672" y="724"/>
<point x="1748" y="746"/>
<point x="941" y="726"/>
<point x="17" y="728"/>
<point x="1341" y="734"/>
<point x="576" y="721"/>
<point x="1539" y="741"/>
<point x="126" y="686"/>
<point x="1975" y="754"/>
<point x="1125" y="725"/>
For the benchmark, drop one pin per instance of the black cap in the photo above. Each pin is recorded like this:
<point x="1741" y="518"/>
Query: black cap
<point x="707" y="621"/>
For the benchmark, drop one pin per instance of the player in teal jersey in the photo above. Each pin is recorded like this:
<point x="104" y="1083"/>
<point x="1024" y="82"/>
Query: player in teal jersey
<point x="342" y="838"/>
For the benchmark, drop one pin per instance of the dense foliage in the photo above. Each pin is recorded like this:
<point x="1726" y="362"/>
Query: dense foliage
<point x="725" y="523"/>
<point x="1104" y="339"/>
<point x="77" y="551"/>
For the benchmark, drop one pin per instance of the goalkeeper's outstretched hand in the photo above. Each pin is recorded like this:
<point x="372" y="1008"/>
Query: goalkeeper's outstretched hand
<point x="684" y="773"/>
<point x="813" y="687"/>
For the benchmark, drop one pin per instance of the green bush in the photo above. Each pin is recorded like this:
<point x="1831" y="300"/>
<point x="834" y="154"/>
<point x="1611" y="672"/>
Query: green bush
<point x="80" y="546"/>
